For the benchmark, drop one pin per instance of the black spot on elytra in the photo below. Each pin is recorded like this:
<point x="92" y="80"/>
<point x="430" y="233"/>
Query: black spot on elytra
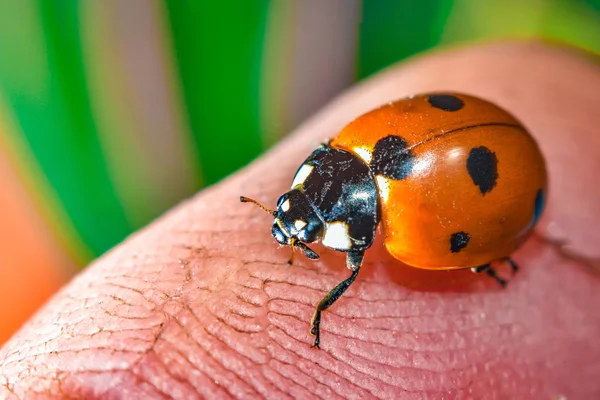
<point x="446" y="102"/>
<point x="539" y="206"/>
<point x="459" y="241"/>
<point x="392" y="158"/>
<point x="482" y="166"/>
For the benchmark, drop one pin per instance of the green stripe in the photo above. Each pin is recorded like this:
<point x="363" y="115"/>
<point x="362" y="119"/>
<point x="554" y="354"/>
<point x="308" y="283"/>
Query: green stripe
<point x="145" y="140"/>
<point x="277" y="56"/>
<point x="54" y="113"/>
<point x="595" y="4"/>
<point x="392" y="30"/>
<point x="218" y="46"/>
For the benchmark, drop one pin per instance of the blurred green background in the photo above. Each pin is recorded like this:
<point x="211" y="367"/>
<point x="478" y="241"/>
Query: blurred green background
<point x="112" y="111"/>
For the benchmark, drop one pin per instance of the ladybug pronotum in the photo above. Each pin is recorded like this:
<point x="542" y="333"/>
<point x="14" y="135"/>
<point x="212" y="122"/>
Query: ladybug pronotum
<point x="455" y="181"/>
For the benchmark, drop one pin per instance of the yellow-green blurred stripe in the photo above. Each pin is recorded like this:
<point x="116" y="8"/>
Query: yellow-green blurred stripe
<point x="149" y="152"/>
<point x="218" y="46"/>
<point x="309" y="57"/>
<point x="570" y="21"/>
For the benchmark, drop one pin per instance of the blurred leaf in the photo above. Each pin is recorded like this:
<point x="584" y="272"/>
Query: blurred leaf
<point x="45" y="85"/>
<point x="392" y="30"/>
<point x="218" y="46"/>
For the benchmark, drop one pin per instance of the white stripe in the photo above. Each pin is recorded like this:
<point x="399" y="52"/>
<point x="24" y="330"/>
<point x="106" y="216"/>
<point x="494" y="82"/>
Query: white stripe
<point x="302" y="174"/>
<point x="364" y="153"/>
<point x="384" y="187"/>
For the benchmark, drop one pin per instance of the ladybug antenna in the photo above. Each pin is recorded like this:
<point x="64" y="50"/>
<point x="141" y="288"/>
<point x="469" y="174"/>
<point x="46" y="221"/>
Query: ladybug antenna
<point x="249" y="200"/>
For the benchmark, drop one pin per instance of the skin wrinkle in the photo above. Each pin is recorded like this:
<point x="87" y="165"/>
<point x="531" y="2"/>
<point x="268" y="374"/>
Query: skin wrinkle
<point x="346" y="370"/>
<point x="214" y="333"/>
<point x="215" y="362"/>
<point x="253" y="379"/>
<point x="302" y="379"/>
<point x="212" y="356"/>
<point x="195" y="364"/>
<point x="389" y="377"/>
<point x="279" y="354"/>
<point x="396" y="376"/>
<point x="313" y="363"/>
<point x="173" y="350"/>
<point x="155" y="389"/>
<point x="122" y="351"/>
<point x="158" y="340"/>
<point x="281" y="382"/>
<point x="185" y="389"/>
<point x="158" y="361"/>
<point x="181" y="281"/>
<point x="301" y="387"/>
<point x="412" y="359"/>
<point x="392" y="344"/>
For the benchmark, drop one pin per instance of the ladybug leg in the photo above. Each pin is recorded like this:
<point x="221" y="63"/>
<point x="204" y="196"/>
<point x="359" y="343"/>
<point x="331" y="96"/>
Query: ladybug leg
<point x="480" y="269"/>
<point x="308" y="252"/>
<point x="513" y="264"/>
<point x="293" y="255"/>
<point x="490" y="271"/>
<point x="354" y="261"/>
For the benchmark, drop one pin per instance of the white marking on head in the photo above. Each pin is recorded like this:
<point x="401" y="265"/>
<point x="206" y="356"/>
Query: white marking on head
<point x="384" y="187"/>
<point x="301" y="175"/>
<point x="299" y="224"/>
<point x="285" y="205"/>
<point x="337" y="236"/>
<point x="364" y="153"/>
<point x="280" y="225"/>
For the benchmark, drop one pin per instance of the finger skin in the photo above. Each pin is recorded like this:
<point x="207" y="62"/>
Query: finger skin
<point x="201" y="303"/>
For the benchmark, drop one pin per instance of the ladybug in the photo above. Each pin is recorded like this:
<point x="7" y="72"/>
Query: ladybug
<point x="455" y="181"/>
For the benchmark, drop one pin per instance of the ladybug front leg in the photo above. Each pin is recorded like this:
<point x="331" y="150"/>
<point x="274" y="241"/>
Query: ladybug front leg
<point x="354" y="261"/>
<point x="490" y="271"/>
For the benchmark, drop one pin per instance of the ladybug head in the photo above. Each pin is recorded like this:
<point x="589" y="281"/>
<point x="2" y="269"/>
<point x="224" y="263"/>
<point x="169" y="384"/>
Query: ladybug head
<point x="296" y="222"/>
<point x="296" y="219"/>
